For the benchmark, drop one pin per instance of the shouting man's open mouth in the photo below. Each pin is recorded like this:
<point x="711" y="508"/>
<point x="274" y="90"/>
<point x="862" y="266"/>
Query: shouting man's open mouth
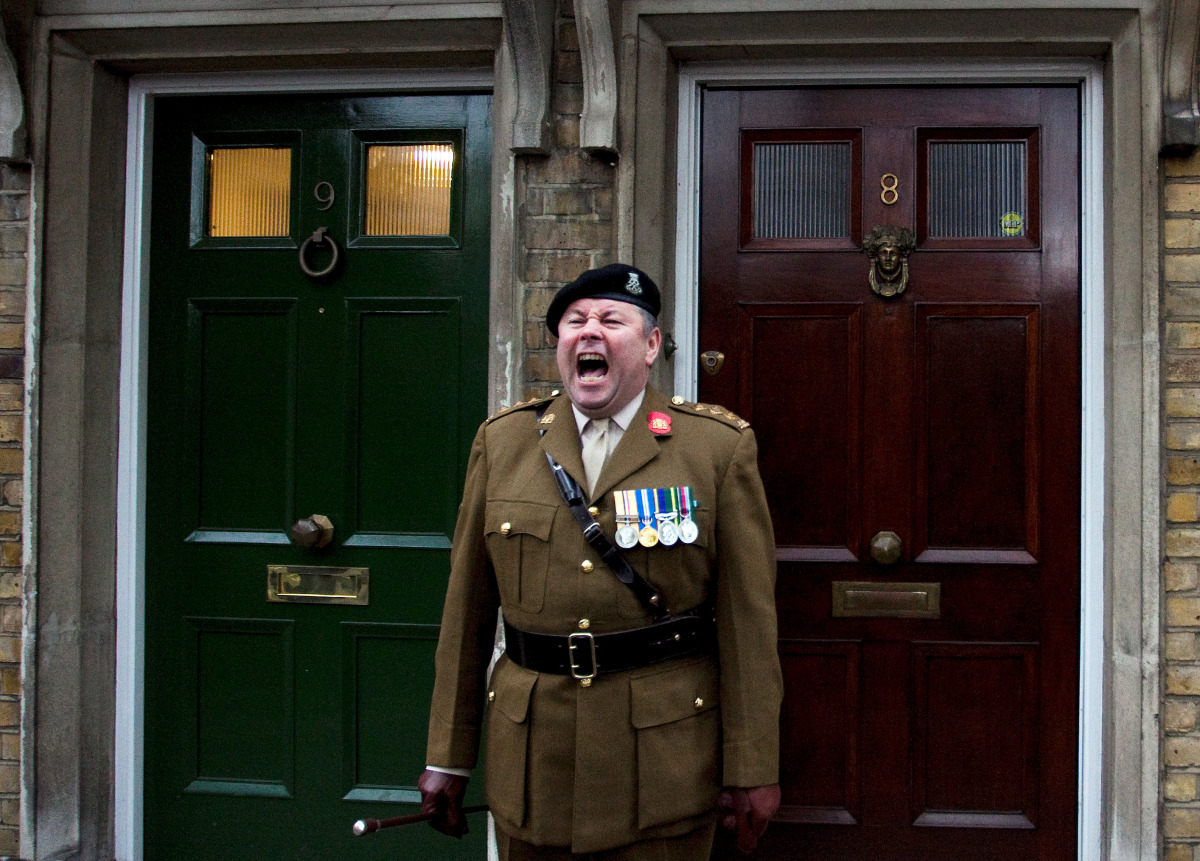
<point x="591" y="366"/>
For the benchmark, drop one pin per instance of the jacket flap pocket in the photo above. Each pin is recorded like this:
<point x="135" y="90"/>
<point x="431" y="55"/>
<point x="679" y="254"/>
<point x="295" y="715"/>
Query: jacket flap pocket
<point x="513" y="517"/>
<point x="673" y="694"/>
<point x="513" y="692"/>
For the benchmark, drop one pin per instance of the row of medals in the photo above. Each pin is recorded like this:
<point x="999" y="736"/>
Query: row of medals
<point x="668" y="532"/>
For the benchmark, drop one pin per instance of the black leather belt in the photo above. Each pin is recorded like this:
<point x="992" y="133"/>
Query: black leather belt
<point x="585" y="655"/>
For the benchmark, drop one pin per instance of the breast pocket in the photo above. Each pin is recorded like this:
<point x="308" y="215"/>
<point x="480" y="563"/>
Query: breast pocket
<point x="674" y="713"/>
<point x="518" y="542"/>
<point x="681" y="570"/>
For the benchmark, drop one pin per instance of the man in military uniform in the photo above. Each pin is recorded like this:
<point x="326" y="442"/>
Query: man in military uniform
<point x="637" y="702"/>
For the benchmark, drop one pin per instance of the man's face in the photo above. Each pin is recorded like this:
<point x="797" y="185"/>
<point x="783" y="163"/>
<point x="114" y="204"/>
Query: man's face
<point x="604" y="357"/>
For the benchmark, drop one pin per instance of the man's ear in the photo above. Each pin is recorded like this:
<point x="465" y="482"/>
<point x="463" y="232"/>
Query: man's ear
<point x="653" y="344"/>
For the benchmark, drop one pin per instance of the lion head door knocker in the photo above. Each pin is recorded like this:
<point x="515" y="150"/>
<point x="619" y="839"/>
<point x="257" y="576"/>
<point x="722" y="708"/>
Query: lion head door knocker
<point x="888" y="246"/>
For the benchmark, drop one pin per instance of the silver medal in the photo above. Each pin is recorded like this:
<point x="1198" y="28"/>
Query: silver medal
<point x="627" y="536"/>
<point x="689" y="531"/>
<point x="668" y="533"/>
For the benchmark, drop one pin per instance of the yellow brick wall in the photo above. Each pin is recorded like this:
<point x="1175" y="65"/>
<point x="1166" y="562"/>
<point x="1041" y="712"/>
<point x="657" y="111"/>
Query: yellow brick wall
<point x="566" y="210"/>
<point x="14" y="238"/>
<point x="1181" y="569"/>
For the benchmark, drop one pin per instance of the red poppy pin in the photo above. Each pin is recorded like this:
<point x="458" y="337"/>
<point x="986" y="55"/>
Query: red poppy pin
<point x="660" y="423"/>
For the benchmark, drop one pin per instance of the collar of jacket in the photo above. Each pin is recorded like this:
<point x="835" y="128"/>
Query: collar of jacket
<point x="638" y="445"/>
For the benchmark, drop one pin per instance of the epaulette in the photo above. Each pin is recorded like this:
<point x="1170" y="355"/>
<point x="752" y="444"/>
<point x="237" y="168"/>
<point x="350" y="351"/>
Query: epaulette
<point x="521" y="405"/>
<point x="711" y="411"/>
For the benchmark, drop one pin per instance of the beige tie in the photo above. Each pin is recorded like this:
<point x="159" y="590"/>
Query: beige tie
<point x="595" y="450"/>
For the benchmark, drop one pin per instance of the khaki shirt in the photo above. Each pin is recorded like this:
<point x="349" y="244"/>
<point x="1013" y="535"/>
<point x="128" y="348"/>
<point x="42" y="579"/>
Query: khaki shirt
<point x="637" y="754"/>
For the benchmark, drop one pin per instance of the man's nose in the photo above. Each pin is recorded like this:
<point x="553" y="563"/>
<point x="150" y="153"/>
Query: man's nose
<point x="591" y="328"/>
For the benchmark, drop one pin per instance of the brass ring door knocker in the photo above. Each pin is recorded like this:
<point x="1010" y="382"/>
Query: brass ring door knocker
<point x="320" y="236"/>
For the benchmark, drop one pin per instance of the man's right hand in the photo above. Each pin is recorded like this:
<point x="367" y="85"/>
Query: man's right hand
<point x="441" y="795"/>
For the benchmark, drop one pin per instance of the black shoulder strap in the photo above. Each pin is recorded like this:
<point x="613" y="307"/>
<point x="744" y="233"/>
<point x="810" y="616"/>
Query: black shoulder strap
<point x="572" y="493"/>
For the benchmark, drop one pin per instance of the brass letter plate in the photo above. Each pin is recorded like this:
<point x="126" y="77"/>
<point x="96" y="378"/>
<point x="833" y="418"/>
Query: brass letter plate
<point x="316" y="584"/>
<point x="887" y="600"/>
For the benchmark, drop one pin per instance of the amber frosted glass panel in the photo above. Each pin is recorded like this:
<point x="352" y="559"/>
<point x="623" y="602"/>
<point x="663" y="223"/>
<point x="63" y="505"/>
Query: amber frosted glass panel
<point x="408" y="189"/>
<point x="801" y="190"/>
<point x="250" y="191"/>
<point x="977" y="189"/>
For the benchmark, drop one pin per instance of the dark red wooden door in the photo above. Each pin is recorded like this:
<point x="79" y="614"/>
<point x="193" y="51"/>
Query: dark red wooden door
<point x="931" y="702"/>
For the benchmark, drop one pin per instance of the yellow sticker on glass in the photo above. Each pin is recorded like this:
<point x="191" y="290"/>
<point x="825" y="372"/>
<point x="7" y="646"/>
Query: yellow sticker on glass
<point x="1011" y="223"/>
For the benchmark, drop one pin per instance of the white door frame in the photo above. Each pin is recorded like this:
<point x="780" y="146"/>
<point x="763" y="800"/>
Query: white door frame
<point x="131" y="455"/>
<point x="1089" y="75"/>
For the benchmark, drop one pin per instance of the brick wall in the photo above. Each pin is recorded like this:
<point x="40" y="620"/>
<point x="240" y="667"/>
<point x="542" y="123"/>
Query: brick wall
<point x="14" y="239"/>
<point x="566" y="209"/>
<point x="1181" y="569"/>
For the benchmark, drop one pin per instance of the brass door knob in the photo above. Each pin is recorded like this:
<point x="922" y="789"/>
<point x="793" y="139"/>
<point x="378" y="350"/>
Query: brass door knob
<point x="712" y="360"/>
<point x="885" y="547"/>
<point x="311" y="532"/>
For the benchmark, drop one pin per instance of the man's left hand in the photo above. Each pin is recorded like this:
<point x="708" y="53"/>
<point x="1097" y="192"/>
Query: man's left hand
<point x="747" y="811"/>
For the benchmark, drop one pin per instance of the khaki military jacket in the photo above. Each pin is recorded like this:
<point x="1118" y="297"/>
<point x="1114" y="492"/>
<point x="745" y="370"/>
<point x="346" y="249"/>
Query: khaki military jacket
<point x="636" y="754"/>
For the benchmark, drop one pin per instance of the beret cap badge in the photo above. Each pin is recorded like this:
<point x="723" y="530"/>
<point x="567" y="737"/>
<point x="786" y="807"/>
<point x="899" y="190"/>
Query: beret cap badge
<point x="633" y="285"/>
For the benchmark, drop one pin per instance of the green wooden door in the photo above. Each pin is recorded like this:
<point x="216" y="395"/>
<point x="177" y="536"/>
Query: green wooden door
<point x="273" y="395"/>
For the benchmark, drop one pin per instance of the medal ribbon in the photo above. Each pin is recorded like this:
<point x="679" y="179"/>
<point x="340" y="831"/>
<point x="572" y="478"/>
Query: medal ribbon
<point x="645" y="507"/>
<point x="665" y="510"/>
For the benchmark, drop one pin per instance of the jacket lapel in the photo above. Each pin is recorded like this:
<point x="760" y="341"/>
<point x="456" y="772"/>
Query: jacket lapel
<point x="638" y="445"/>
<point x="561" y="440"/>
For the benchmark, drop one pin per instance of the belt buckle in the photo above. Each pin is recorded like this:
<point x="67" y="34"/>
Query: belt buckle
<point x="573" y="641"/>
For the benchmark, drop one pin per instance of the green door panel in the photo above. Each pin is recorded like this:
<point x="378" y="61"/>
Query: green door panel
<point x="226" y="441"/>
<point x="272" y="726"/>
<point x="402" y="420"/>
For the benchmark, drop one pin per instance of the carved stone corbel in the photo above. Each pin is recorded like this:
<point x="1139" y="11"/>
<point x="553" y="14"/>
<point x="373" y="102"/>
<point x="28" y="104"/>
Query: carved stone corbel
<point x="12" y="106"/>
<point x="529" y="28"/>
<point x="1181" y="96"/>
<point x="598" y="122"/>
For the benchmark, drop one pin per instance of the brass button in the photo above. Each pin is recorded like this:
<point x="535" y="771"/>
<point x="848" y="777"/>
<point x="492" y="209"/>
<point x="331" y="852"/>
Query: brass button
<point x="587" y="566"/>
<point x="699" y="703"/>
<point x="584" y="624"/>
<point x="594" y="511"/>
<point x="585" y="683"/>
<point x="491" y="696"/>
<point x="677" y="400"/>
<point x="555" y="393"/>
<point x="505" y="528"/>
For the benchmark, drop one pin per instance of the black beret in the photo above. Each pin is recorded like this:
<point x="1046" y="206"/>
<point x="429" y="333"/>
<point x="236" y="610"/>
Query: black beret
<point x="617" y="281"/>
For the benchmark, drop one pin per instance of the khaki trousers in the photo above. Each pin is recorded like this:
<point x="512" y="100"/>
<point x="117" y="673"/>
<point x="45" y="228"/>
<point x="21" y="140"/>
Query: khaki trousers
<point x="693" y="846"/>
